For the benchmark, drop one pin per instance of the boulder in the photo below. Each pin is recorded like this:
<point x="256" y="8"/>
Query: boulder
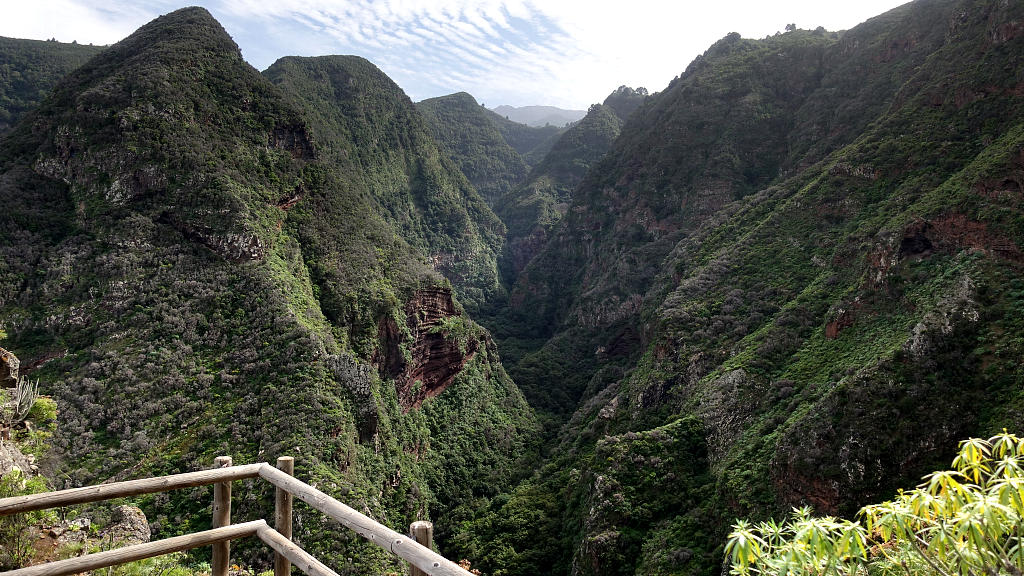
<point x="128" y="524"/>
<point x="11" y="458"/>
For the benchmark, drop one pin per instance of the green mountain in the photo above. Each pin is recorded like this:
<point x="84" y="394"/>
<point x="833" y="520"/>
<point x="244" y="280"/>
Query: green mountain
<point x="378" y="142"/>
<point x="534" y="208"/>
<point x="470" y="135"/>
<point x="794" y="278"/>
<point x="28" y="71"/>
<point x="530" y="142"/>
<point x="191" y="270"/>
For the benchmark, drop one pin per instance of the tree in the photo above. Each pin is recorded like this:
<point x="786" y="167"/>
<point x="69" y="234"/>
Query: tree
<point x="968" y="521"/>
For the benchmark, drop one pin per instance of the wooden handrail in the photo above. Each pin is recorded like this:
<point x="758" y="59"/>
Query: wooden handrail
<point x="405" y="547"/>
<point x="140" y="551"/>
<point x="297" y="556"/>
<point x="17" y="504"/>
<point x="399" y="544"/>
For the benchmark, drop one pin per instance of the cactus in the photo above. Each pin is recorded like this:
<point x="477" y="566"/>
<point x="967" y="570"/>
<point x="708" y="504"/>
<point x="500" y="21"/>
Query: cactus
<point x="18" y="401"/>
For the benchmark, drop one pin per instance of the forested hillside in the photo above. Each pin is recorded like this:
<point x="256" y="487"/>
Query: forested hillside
<point x="375" y="141"/>
<point x="195" y="273"/>
<point x="29" y="69"/>
<point x="470" y="133"/>
<point x="794" y="278"/>
<point x="533" y="208"/>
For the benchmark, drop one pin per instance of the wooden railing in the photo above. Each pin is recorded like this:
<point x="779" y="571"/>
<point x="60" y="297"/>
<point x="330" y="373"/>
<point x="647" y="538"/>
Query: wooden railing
<point x="421" y="558"/>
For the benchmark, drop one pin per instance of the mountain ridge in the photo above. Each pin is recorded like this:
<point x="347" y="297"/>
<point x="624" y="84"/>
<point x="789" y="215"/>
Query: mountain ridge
<point x="29" y="68"/>
<point x="473" y="138"/>
<point x="539" y="116"/>
<point x="179" y="243"/>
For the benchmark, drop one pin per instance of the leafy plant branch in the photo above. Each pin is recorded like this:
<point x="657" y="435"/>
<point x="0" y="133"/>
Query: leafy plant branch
<point x="961" y="522"/>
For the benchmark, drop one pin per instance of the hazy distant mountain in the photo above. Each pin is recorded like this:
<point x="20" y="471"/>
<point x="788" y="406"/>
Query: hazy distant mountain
<point x="540" y="115"/>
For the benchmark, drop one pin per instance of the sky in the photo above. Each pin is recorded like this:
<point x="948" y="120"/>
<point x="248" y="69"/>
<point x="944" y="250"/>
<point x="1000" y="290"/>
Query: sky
<point x="565" y="53"/>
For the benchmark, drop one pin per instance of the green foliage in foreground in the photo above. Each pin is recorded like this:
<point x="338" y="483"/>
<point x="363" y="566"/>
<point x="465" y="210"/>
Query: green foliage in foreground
<point x="14" y="533"/>
<point x="965" y="521"/>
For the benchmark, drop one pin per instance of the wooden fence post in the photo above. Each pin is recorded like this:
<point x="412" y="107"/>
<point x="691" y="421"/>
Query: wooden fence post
<point x="283" y="515"/>
<point x="221" y="518"/>
<point x="422" y="532"/>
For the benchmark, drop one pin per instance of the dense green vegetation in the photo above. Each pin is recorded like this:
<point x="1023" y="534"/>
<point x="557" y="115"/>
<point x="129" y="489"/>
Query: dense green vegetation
<point x="531" y="143"/>
<point x="808" y="248"/>
<point x="375" y="143"/>
<point x="204" y="278"/>
<point x="469" y="133"/>
<point x="791" y="278"/>
<point x="29" y="69"/>
<point x="534" y="207"/>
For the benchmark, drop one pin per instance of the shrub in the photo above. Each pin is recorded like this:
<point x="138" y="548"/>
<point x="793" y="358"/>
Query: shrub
<point x="15" y="530"/>
<point x="962" y="522"/>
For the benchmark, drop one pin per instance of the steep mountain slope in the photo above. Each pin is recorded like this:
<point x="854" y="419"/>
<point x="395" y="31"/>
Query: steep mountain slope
<point x="190" y="273"/>
<point x="367" y="125"/>
<point x="795" y="278"/>
<point x="533" y="209"/>
<point x="470" y="135"/>
<point x="531" y="143"/>
<point x="28" y="71"/>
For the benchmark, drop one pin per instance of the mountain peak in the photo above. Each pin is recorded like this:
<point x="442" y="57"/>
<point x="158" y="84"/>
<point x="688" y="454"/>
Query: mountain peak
<point x="460" y="98"/>
<point x="192" y="28"/>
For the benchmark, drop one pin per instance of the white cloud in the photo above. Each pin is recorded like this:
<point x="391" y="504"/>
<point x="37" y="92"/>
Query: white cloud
<point x="568" y="53"/>
<point x="72" y="20"/>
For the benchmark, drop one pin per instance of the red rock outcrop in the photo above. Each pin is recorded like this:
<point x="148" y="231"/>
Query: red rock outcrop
<point x="797" y="489"/>
<point x="949" y="233"/>
<point x="8" y="369"/>
<point x="436" y="355"/>
<point x="842" y="321"/>
<point x="294" y="140"/>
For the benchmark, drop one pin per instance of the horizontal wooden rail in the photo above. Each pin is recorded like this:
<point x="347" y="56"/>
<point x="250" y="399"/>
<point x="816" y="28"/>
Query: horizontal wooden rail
<point x="399" y="544"/>
<point x="405" y="547"/>
<point x="72" y="496"/>
<point x="140" y="551"/>
<point x="293" y="553"/>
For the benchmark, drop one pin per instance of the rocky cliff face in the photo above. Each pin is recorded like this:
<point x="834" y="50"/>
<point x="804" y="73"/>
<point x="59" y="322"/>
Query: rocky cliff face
<point x="9" y="365"/>
<point x="430" y="350"/>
